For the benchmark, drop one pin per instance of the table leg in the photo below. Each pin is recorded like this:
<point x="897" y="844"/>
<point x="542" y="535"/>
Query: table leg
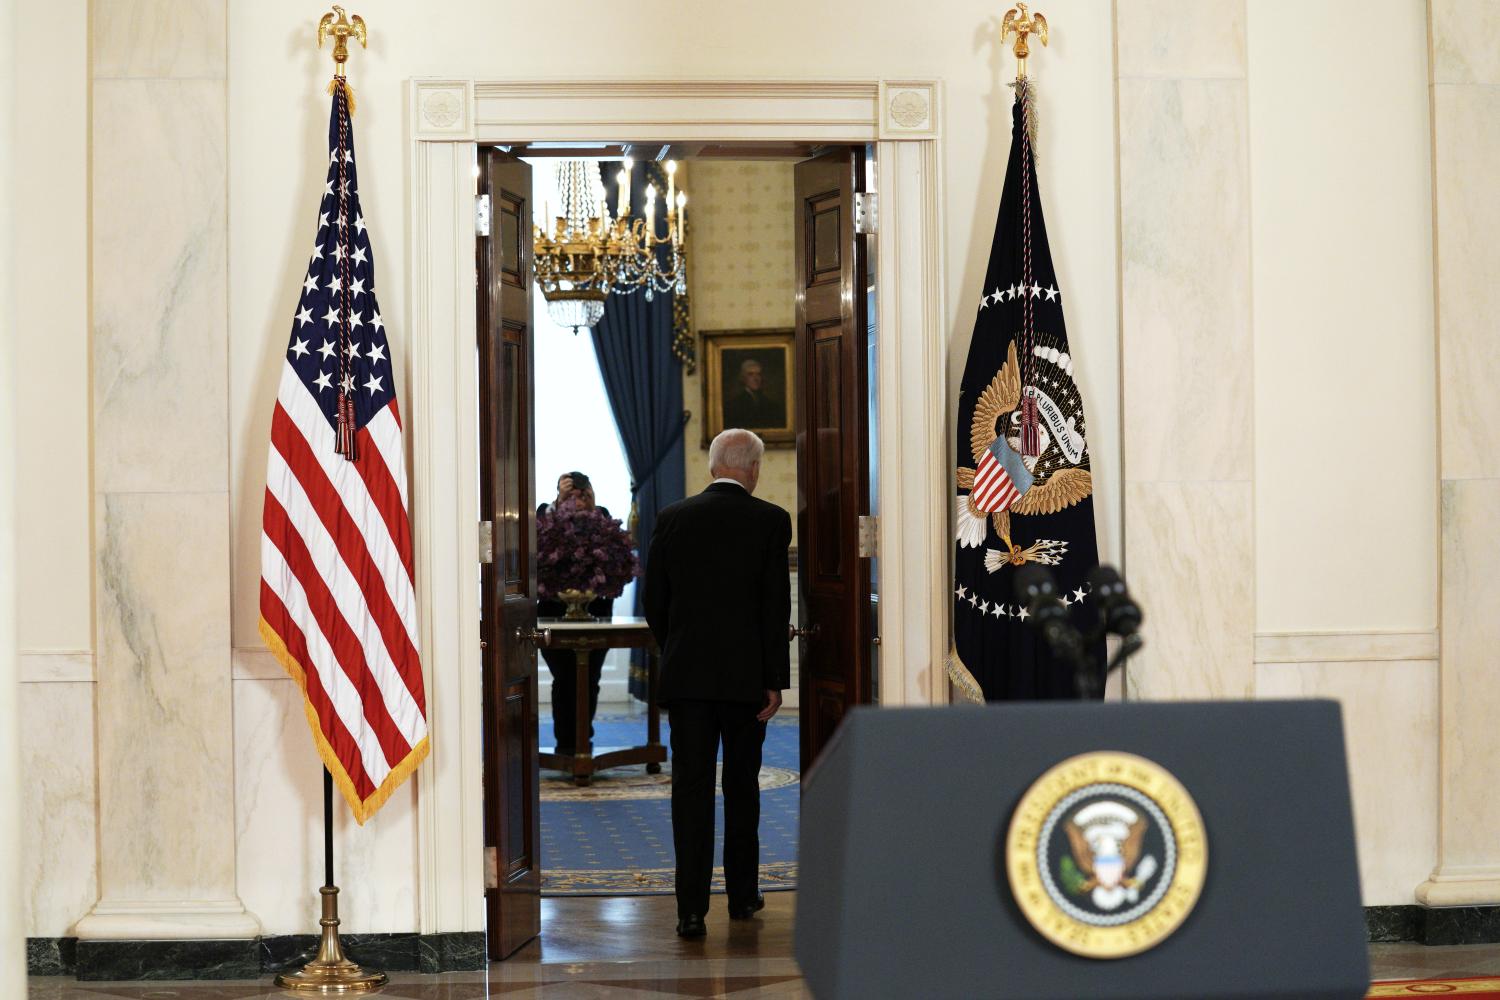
<point x="653" y="711"/>
<point x="583" y="742"/>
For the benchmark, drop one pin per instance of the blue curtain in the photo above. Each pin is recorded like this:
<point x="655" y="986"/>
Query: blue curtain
<point x="643" y="380"/>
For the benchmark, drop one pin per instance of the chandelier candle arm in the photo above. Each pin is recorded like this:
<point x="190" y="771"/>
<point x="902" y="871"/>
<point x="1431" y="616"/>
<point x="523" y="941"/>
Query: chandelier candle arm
<point x="585" y="256"/>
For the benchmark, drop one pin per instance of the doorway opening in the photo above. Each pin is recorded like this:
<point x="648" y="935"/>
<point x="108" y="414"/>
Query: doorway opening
<point x="781" y="307"/>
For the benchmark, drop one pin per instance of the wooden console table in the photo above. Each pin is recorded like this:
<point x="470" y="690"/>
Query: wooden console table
<point x="582" y="637"/>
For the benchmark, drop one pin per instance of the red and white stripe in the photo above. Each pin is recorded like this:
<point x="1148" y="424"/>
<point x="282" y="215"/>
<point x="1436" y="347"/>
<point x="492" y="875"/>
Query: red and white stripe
<point x="337" y="600"/>
<point x="993" y="488"/>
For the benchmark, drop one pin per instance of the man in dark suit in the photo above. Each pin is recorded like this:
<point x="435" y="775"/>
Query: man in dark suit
<point x="719" y="599"/>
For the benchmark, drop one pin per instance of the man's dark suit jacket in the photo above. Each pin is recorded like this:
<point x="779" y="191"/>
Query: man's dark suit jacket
<point x="719" y="597"/>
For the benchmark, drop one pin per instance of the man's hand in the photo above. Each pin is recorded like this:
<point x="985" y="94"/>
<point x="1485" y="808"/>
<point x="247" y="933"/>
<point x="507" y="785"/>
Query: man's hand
<point x="773" y="703"/>
<point x="564" y="489"/>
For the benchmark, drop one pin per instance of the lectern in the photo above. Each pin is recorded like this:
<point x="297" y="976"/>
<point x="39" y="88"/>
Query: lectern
<point x="1108" y="852"/>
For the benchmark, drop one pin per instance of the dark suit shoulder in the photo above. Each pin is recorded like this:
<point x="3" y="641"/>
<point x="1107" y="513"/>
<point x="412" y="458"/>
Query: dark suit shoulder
<point x="771" y="511"/>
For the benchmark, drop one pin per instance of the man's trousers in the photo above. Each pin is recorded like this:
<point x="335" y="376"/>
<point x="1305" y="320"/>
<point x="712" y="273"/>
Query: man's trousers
<point x="698" y="727"/>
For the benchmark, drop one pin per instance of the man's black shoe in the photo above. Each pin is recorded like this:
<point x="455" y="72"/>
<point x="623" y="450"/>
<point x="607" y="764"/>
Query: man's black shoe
<point x="691" y="926"/>
<point x="749" y="910"/>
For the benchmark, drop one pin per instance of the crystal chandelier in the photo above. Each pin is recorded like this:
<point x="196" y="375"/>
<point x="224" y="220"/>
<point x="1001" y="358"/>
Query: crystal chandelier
<point x="586" y="256"/>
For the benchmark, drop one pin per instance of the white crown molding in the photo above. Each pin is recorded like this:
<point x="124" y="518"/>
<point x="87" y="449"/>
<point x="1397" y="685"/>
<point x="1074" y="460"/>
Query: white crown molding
<point x="1345" y="647"/>
<point x="834" y="110"/>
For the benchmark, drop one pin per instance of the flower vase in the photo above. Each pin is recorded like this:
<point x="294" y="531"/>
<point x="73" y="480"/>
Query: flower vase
<point x="578" y="604"/>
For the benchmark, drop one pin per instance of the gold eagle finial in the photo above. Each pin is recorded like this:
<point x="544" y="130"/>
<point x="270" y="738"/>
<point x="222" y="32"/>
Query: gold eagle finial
<point x="341" y="28"/>
<point x="1021" y="22"/>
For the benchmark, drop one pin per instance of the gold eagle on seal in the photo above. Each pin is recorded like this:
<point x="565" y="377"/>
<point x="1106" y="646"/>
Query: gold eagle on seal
<point x="1054" y="484"/>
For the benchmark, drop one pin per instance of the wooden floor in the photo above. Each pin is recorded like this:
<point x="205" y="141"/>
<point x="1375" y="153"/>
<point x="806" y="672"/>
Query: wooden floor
<point x="627" y="947"/>
<point x="643" y="928"/>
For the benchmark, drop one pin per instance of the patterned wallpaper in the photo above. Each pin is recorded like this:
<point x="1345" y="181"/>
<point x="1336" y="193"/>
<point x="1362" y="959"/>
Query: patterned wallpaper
<point x="741" y="275"/>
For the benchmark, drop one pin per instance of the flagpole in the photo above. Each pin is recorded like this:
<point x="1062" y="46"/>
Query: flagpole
<point x="327" y="828"/>
<point x="331" y="973"/>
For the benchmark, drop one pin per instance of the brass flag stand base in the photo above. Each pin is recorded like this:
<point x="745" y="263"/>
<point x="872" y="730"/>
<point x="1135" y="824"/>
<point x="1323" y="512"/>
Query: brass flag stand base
<point x="330" y="973"/>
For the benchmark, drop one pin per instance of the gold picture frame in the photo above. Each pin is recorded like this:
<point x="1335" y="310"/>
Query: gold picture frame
<point x="736" y="394"/>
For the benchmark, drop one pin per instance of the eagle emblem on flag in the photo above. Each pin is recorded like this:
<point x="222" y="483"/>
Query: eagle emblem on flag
<point x="1024" y="485"/>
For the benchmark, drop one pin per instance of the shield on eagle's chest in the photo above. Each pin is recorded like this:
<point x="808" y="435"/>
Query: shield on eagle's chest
<point x="1024" y="487"/>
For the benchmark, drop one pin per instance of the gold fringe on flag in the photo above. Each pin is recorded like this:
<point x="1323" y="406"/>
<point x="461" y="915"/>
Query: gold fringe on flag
<point x="964" y="682"/>
<point x="362" y="809"/>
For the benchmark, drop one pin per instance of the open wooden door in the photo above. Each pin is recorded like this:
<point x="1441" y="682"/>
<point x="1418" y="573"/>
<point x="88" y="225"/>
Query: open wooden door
<point x="832" y="447"/>
<point x="512" y="817"/>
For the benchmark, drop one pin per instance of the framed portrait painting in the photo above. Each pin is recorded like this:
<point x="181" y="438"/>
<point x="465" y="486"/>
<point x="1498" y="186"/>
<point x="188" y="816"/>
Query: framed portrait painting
<point x="749" y="382"/>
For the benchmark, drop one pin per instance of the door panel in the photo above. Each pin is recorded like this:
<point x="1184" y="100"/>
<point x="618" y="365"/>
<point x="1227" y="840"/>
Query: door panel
<point x="512" y="818"/>
<point x="832" y="447"/>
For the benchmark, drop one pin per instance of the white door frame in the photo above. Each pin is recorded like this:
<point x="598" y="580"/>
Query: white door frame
<point x="446" y="119"/>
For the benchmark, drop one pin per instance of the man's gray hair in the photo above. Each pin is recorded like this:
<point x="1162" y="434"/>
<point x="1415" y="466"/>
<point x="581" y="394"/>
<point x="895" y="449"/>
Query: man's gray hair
<point x="735" y="448"/>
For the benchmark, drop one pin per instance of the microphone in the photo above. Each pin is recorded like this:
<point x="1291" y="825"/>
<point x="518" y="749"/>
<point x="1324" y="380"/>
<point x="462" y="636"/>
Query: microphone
<point x="1036" y="590"/>
<point x="1118" y="610"/>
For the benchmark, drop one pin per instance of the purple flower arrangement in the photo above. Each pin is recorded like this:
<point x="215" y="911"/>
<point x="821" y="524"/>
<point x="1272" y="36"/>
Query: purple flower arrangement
<point x="583" y="548"/>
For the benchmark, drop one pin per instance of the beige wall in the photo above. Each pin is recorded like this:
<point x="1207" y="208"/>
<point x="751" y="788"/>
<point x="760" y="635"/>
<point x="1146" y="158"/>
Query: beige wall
<point x="1345" y="408"/>
<point x="52" y="311"/>
<point x="1334" y="515"/>
<point x="1345" y="417"/>
<point x="741" y="275"/>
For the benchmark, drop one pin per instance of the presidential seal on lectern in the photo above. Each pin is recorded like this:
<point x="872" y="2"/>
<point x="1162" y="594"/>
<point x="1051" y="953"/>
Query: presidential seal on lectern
<point x="1106" y="854"/>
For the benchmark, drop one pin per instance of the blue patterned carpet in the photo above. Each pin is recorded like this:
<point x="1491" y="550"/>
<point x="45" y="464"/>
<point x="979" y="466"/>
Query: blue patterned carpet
<point x="614" y="838"/>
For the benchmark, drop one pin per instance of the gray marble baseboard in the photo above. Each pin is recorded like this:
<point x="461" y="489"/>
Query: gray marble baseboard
<point x="1434" y="925"/>
<point x="51" y="956"/>
<point x="119" y="961"/>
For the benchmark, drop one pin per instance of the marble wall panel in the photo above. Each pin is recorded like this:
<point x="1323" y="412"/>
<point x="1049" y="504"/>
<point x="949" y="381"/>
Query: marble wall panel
<point x="59" y="826"/>
<point x="1467" y="134"/>
<point x="1470" y="634"/>
<point x="165" y="745"/>
<point x="159" y="286"/>
<point x="1463" y="41"/>
<point x="1391" y="735"/>
<point x="159" y="38"/>
<point x="1190" y="553"/>
<point x="1185" y="280"/>
<point x="279" y="827"/>
<point x="1181" y="38"/>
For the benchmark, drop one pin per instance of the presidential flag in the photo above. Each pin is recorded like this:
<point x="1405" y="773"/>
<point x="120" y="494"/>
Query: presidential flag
<point x="1024" y="486"/>
<point x="337" y="604"/>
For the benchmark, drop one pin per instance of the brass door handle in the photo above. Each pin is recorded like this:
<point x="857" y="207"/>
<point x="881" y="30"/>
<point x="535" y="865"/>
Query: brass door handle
<point x="534" y="637"/>
<point x="811" y="632"/>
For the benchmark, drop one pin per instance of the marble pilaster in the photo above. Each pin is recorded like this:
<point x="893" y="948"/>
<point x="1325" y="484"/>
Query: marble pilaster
<point x="161" y="474"/>
<point x="1466" y="139"/>
<point x="1187" y="347"/>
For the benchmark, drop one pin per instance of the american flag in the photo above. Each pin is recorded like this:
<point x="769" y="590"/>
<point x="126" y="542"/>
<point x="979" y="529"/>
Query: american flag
<point x="337" y="602"/>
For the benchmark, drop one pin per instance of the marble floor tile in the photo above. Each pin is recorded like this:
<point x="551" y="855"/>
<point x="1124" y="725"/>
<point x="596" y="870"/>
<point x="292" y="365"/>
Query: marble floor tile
<point x="751" y="962"/>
